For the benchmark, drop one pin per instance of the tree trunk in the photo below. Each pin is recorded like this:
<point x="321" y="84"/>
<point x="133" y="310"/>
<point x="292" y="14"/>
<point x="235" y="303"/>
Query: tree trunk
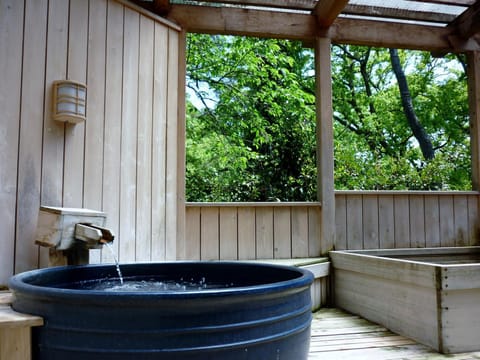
<point x="417" y="128"/>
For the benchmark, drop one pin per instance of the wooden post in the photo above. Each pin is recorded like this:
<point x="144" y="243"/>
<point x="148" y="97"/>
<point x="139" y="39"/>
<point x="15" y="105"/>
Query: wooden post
<point x="182" y="69"/>
<point x="325" y="186"/>
<point x="473" y="59"/>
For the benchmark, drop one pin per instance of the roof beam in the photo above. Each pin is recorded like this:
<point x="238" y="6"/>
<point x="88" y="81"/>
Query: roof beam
<point x="328" y="10"/>
<point x="161" y="7"/>
<point x="392" y="35"/>
<point x="447" y="2"/>
<point x="382" y="11"/>
<point x="306" y="5"/>
<point x="468" y="23"/>
<point x="272" y="24"/>
<point x="237" y="21"/>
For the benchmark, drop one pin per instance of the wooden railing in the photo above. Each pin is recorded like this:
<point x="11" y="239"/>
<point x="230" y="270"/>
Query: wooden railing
<point x="392" y="219"/>
<point x="364" y="219"/>
<point x="246" y="231"/>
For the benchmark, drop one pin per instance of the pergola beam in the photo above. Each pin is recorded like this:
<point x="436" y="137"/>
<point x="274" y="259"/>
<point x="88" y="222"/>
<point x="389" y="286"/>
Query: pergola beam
<point x="382" y="11"/>
<point x="447" y="2"/>
<point x="468" y="23"/>
<point x="161" y="7"/>
<point x="273" y="24"/>
<point x="306" y="5"/>
<point x="236" y="21"/>
<point x="328" y="10"/>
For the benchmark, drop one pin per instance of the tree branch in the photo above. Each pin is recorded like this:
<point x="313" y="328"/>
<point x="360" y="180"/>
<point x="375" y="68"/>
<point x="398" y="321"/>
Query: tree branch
<point x="412" y="119"/>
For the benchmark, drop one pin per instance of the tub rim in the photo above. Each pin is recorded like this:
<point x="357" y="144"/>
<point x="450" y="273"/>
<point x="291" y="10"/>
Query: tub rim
<point x="20" y="284"/>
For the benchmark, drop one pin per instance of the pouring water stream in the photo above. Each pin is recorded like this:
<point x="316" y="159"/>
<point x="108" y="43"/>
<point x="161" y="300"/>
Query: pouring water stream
<point x="117" y="264"/>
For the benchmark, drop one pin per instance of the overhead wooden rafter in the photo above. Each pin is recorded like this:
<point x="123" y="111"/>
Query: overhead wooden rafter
<point x="272" y="24"/>
<point x="161" y="7"/>
<point x="413" y="24"/>
<point x="385" y="12"/>
<point x="447" y="2"/>
<point x="328" y="10"/>
<point x="306" y="5"/>
<point x="468" y="23"/>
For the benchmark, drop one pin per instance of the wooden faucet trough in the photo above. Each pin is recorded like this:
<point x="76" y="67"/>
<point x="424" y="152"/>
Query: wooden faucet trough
<point x="429" y="295"/>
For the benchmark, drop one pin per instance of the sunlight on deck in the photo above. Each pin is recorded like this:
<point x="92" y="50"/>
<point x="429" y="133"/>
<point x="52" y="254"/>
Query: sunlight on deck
<point x="339" y="335"/>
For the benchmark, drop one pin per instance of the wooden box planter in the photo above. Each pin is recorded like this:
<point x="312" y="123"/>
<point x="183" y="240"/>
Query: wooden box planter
<point x="430" y="295"/>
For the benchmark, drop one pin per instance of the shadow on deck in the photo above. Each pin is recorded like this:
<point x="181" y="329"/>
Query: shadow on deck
<point x="340" y="335"/>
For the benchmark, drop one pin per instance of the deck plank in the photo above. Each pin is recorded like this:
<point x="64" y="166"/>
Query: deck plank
<point x="339" y="335"/>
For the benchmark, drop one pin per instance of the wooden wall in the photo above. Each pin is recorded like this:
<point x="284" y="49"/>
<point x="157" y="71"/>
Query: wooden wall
<point x="245" y="231"/>
<point x="127" y="159"/>
<point x="363" y="220"/>
<point x="370" y="220"/>
<point x="119" y="160"/>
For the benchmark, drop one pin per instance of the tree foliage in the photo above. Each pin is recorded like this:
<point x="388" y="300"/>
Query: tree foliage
<point x="252" y="138"/>
<point x="251" y="120"/>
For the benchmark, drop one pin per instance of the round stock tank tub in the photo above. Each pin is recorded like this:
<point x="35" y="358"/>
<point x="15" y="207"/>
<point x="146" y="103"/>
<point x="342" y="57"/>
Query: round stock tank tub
<point x="205" y="310"/>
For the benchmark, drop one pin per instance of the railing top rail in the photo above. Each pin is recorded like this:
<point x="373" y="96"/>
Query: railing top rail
<point x="254" y="204"/>
<point x="404" y="192"/>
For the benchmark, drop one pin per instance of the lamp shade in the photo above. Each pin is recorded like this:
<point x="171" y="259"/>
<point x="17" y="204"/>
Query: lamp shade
<point x="69" y="101"/>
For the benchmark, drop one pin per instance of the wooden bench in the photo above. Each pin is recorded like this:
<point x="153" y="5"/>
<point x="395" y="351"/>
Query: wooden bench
<point x="15" y="331"/>
<point x="320" y="267"/>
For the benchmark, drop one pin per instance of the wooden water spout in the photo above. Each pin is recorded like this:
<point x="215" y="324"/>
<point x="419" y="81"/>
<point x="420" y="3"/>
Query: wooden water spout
<point x="70" y="233"/>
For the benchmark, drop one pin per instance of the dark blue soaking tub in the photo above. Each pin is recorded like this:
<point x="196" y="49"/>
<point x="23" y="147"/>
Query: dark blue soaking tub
<point x="193" y="310"/>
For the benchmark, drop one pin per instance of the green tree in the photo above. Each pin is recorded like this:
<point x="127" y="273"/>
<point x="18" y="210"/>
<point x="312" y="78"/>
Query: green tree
<point x="258" y="104"/>
<point x="375" y="145"/>
<point x="251" y="120"/>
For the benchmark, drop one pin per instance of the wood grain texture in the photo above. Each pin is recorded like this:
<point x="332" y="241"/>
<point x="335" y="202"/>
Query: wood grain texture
<point x="417" y="221"/>
<point x="370" y="222"/>
<point x="75" y="133"/>
<point x="429" y="294"/>
<point x="143" y="236"/>
<point x="324" y="136"/>
<point x="228" y="234"/>
<point x="113" y="123"/>
<point x="192" y="235"/>
<point x="159" y="145"/>
<point x="299" y="218"/>
<point x="263" y="23"/>
<point x="337" y="334"/>
<point x="282" y="233"/>
<point x="473" y="81"/>
<point x="106" y="163"/>
<point x="355" y="222"/>
<point x="264" y="234"/>
<point x="128" y="186"/>
<point x="446" y="211"/>
<point x="30" y="140"/>
<point x="341" y="222"/>
<point x="209" y="234"/>
<point x="386" y="221"/>
<point x="95" y="126"/>
<point x="432" y="221"/>
<point x="53" y="131"/>
<point x="402" y="222"/>
<point x="171" y="197"/>
<point x="246" y="233"/>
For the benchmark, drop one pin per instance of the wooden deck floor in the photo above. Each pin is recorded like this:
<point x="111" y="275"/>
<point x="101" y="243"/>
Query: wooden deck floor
<point x="339" y="335"/>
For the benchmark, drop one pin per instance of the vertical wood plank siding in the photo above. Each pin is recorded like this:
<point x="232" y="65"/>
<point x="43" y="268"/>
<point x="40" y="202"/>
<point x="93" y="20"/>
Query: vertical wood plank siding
<point x="387" y="219"/>
<point x="247" y="231"/>
<point x="117" y="160"/>
<point x="363" y="220"/>
<point x="127" y="159"/>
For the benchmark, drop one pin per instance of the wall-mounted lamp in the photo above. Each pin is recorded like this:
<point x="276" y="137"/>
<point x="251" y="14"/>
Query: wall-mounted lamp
<point x="69" y="101"/>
